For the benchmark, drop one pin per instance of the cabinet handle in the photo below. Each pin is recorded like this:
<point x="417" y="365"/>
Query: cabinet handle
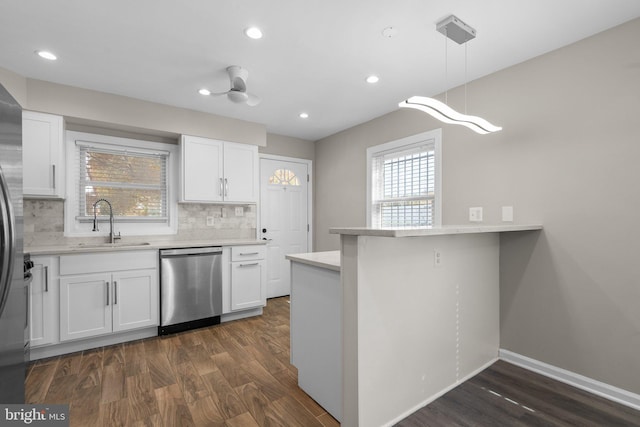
<point x="27" y="291"/>
<point x="226" y="187"/>
<point x="107" y="292"/>
<point x="54" y="176"/>
<point x="115" y="292"/>
<point x="249" y="265"/>
<point x="46" y="278"/>
<point x="248" y="253"/>
<point x="220" y="187"/>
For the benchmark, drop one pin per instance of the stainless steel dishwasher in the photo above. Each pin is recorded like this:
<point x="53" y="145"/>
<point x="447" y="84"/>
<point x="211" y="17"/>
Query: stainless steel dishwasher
<point x="190" y="288"/>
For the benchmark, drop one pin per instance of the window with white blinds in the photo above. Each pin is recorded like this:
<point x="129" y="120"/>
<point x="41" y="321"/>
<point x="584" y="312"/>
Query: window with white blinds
<point x="134" y="181"/>
<point x="404" y="182"/>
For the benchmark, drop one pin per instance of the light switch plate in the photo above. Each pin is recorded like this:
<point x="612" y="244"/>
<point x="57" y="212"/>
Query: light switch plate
<point x="239" y="211"/>
<point x="507" y="213"/>
<point x="475" y="214"/>
<point x="209" y="221"/>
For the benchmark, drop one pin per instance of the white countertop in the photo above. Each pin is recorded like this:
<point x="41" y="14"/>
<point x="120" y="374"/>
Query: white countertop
<point x="329" y="260"/>
<point x="433" y="231"/>
<point x="134" y="246"/>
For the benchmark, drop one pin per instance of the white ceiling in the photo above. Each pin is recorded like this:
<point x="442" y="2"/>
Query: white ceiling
<point x="314" y="56"/>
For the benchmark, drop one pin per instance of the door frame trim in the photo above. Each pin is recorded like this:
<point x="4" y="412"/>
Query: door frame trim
<point x="309" y="164"/>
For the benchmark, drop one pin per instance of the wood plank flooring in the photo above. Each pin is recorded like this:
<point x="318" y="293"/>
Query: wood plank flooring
<point x="236" y="374"/>
<point x="506" y="395"/>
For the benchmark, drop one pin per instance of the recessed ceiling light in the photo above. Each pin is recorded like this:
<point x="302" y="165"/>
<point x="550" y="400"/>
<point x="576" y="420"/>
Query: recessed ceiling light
<point x="204" y="92"/>
<point x="304" y="115"/>
<point x="46" y="55"/>
<point x="253" y="33"/>
<point x="389" y="32"/>
<point x="373" y="79"/>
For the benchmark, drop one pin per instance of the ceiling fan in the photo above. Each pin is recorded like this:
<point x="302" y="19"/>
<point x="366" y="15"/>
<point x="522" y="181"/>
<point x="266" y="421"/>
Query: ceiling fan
<point x="238" y="92"/>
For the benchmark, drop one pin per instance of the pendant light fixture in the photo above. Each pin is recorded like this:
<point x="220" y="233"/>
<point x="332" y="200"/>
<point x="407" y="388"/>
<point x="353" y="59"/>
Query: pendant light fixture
<point x="456" y="30"/>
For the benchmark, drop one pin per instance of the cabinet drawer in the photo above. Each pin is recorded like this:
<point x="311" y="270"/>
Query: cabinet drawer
<point x="107" y="261"/>
<point x="245" y="253"/>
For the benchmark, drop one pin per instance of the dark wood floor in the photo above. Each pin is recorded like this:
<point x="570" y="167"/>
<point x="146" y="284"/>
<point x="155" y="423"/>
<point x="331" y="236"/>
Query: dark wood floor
<point x="238" y="374"/>
<point x="506" y="395"/>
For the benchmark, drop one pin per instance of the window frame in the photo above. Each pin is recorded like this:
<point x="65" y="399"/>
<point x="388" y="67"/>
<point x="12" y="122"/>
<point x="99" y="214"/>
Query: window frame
<point x="398" y="146"/>
<point x="78" y="226"/>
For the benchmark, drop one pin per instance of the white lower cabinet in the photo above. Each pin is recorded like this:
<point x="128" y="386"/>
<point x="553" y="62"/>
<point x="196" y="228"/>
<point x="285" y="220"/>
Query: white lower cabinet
<point x="248" y="277"/>
<point x="135" y="300"/>
<point x="85" y="309"/>
<point x="246" y="289"/>
<point x="98" y="304"/>
<point x="94" y="304"/>
<point x="43" y="293"/>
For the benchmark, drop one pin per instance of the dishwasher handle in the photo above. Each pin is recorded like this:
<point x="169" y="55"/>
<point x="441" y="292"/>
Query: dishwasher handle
<point x="168" y="253"/>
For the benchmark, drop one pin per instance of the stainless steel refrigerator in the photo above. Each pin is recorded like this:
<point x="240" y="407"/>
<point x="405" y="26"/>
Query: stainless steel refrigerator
<point x="13" y="288"/>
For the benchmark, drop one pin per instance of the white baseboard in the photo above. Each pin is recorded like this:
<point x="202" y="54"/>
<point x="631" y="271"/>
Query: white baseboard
<point x="601" y="389"/>
<point x="86" y="344"/>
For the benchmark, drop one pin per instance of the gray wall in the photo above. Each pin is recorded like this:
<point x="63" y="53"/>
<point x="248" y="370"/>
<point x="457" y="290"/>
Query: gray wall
<point x="568" y="158"/>
<point x="98" y="109"/>
<point x="288" y="146"/>
<point x="15" y="84"/>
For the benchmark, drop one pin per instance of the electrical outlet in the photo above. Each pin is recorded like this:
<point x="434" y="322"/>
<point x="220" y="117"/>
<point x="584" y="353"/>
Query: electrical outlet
<point x="209" y="221"/>
<point x="437" y="258"/>
<point x="507" y="213"/>
<point x="239" y="211"/>
<point x="475" y="214"/>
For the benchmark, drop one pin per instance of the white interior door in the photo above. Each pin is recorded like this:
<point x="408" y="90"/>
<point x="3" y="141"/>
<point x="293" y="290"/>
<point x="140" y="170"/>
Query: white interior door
<point x="283" y="218"/>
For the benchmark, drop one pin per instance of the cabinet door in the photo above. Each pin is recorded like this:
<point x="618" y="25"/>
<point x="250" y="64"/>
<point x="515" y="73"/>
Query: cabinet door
<point x="202" y="162"/>
<point x="240" y="172"/>
<point x="85" y="306"/>
<point x="135" y="299"/>
<point x="246" y="284"/>
<point x="41" y="304"/>
<point x="42" y="144"/>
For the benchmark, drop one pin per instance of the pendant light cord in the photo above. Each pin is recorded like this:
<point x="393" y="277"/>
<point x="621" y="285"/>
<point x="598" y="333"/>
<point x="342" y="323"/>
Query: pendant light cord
<point x="465" y="77"/>
<point x="446" y="70"/>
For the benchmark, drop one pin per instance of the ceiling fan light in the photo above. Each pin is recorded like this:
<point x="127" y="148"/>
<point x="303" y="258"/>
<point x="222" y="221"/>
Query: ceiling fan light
<point x="46" y="55"/>
<point x="446" y="114"/>
<point x="205" y="92"/>
<point x="253" y="33"/>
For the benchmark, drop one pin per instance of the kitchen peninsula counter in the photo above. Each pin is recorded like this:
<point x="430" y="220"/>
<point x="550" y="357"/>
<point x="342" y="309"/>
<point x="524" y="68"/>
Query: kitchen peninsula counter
<point x="432" y="231"/>
<point x="329" y="259"/>
<point x="420" y="314"/>
<point x="316" y="327"/>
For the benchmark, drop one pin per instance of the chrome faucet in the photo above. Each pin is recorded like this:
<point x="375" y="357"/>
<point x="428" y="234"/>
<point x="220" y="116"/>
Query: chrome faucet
<point x="112" y="236"/>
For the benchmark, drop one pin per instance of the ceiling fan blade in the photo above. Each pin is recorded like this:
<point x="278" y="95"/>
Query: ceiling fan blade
<point x="218" y="93"/>
<point x="237" y="96"/>
<point x="253" y="100"/>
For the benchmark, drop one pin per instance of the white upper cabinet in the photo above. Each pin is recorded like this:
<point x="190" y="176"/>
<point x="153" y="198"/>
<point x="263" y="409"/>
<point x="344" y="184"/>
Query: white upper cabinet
<point x="43" y="154"/>
<point x="240" y="172"/>
<point x="218" y="171"/>
<point x="202" y="165"/>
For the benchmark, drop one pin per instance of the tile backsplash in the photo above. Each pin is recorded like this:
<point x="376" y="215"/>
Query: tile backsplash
<point x="44" y="224"/>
